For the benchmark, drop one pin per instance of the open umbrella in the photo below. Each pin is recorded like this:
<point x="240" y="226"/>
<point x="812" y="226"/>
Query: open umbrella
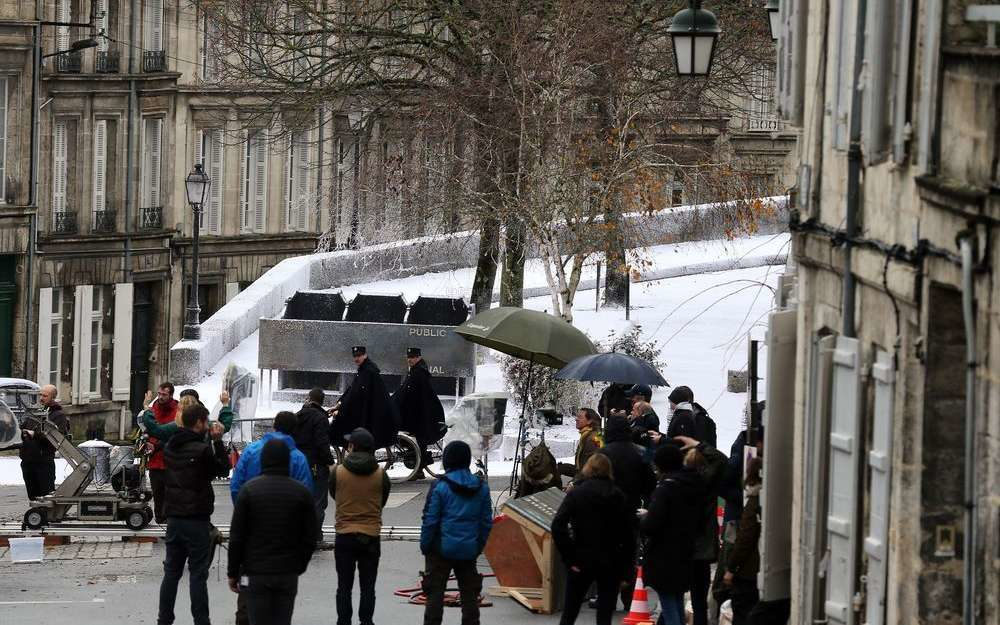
<point x="612" y="367"/>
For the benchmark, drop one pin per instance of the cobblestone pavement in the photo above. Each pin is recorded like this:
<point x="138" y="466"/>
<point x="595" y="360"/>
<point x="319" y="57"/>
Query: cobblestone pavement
<point x="91" y="549"/>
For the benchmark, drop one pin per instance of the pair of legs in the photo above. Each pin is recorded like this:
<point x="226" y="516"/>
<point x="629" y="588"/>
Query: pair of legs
<point x="270" y="599"/>
<point x="39" y="477"/>
<point x="187" y="540"/>
<point x="158" y="484"/>
<point x="577" y="585"/>
<point x="321" y="494"/>
<point x="671" y="609"/>
<point x="358" y="552"/>
<point x="701" y="583"/>
<point x="470" y="583"/>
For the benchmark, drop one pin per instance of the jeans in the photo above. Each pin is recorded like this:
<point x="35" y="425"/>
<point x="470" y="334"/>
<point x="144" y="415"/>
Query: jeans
<point x="577" y="585"/>
<point x="190" y="540"/>
<point x="701" y="582"/>
<point x="271" y="598"/>
<point x="362" y="552"/>
<point x="470" y="583"/>
<point x="321" y="496"/>
<point x="671" y="609"/>
<point x="39" y="477"/>
<point x="158" y="484"/>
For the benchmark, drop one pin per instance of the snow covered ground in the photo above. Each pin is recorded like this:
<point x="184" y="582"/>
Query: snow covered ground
<point x="699" y="321"/>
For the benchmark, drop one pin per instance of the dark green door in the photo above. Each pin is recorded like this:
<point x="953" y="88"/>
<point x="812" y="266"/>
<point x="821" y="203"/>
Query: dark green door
<point x="8" y="295"/>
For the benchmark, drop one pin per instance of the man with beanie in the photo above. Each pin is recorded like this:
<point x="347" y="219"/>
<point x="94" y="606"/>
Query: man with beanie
<point x="457" y="519"/>
<point x="359" y="488"/>
<point x="312" y="437"/>
<point x="271" y="538"/>
<point x="192" y="463"/>
<point x="689" y="418"/>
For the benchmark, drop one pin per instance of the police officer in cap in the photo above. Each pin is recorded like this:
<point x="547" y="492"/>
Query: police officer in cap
<point x="420" y="410"/>
<point x="365" y="404"/>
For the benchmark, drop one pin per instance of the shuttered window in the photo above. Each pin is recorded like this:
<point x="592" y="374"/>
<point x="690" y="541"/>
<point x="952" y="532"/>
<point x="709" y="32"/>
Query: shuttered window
<point x="297" y="196"/>
<point x="100" y="165"/>
<point x="63" y="14"/>
<point x="153" y="22"/>
<point x="842" y="66"/>
<point x="209" y="48"/>
<point x="86" y="364"/>
<point x="122" y="347"/>
<point x="253" y="181"/>
<point x="880" y="467"/>
<point x="59" y="166"/>
<point x="50" y="329"/>
<point x="877" y="81"/>
<point x="210" y="152"/>
<point x="151" y="161"/>
<point x="3" y="139"/>
<point x="102" y="24"/>
<point x="792" y="59"/>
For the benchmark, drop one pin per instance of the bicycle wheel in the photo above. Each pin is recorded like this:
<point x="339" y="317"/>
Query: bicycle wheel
<point x="436" y="451"/>
<point x="400" y="461"/>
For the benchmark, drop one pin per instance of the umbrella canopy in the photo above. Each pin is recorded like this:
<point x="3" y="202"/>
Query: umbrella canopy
<point x="613" y="367"/>
<point x="528" y="334"/>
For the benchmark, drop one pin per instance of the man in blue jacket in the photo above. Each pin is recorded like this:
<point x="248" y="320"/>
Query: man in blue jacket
<point x="458" y="516"/>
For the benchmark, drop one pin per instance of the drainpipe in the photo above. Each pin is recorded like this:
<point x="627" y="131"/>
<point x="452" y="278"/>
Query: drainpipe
<point x="966" y="243"/>
<point x="129" y="155"/>
<point x="853" y="172"/>
<point x="36" y="69"/>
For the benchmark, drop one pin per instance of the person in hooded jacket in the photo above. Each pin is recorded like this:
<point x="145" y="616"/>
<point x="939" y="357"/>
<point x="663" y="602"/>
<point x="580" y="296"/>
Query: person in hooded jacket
<point x="359" y="488"/>
<point x="457" y="519"/>
<point x="249" y="465"/>
<point x="312" y="437"/>
<point x="271" y="538"/>
<point x="419" y="408"/>
<point x="365" y="404"/>
<point x="588" y="532"/>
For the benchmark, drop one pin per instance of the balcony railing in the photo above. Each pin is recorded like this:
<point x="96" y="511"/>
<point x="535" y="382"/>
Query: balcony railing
<point x="151" y="218"/>
<point x="64" y="222"/>
<point x="105" y="221"/>
<point x="108" y="62"/>
<point x="69" y="63"/>
<point x="154" y="61"/>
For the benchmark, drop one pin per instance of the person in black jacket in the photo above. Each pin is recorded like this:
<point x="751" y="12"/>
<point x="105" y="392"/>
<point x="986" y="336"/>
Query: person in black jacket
<point x="312" y="437"/>
<point x="419" y="408"/>
<point x="366" y="404"/>
<point x="588" y="532"/>
<point x="192" y="464"/>
<point x="689" y="418"/>
<point x="632" y="475"/>
<point x="38" y="456"/>
<point x="613" y="399"/>
<point x="643" y="421"/>
<point x="271" y="538"/>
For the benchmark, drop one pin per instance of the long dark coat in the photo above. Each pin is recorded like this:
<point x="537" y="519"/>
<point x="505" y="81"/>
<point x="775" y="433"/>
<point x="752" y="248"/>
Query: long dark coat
<point x="670" y="528"/>
<point x="366" y="404"/>
<point x="420" y="410"/>
<point x="593" y="528"/>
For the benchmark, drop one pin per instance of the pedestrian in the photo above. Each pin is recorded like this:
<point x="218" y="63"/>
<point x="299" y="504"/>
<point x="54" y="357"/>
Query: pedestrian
<point x="359" y="488"/>
<point x="588" y="424"/>
<point x="164" y="409"/>
<point x="271" y="538"/>
<point x="164" y="432"/>
<point x="420" y="411"/>
<point x="594" y="533"/>
<point x="365" y="404"/>
<point x="613" y="399"/>
<point x="38" y="456"/>
<point x="457" y="518"/>
<point x="639" y="392"/>
<point x="191" y="465"/>
<point x="689" y="418"/>
<point x="250" y="466"/>
<point x="312" y="437"/>
<point x="743" y="561"/>
<point x="632" y="474"/>
<point x="643" y="421"/>
<point x="711" y="465"/>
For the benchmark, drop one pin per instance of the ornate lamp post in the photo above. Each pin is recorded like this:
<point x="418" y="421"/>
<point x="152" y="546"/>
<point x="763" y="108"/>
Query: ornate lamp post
<point x="694" y="31"/>
<point x="197" y="184"/>
<point x="774" y="16"/>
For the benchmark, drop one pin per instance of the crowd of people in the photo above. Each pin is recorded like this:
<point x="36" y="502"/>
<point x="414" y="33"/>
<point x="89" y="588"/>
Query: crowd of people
<point x="641" y="497"/>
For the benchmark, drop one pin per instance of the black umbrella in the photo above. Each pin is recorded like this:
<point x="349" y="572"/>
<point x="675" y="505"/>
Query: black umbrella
<point x="613" y="367"/>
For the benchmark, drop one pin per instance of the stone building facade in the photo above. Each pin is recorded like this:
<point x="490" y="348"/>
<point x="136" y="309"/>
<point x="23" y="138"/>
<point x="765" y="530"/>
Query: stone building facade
<point x="896" y="103"/>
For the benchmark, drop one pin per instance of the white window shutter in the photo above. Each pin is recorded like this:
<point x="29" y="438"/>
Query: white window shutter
<point x="842" y="530"/>
<point x="156" y="130"/>
<point x="154" y="25"/>
<point x="302" y="183"/>
<point x="260" y="182"/>
<point x="901" y="128"/>
<point x="121" y="380"/>
<point x="289" y="177"/>
<point x="83" y="296"/>
<point x="877" y="77"/>
<point x="3" y="139"/>
<point x="44" y="335"/>
<point x="59" y="167"/>
<point x="232" y="290"/>
<point x="880" y="464"/>
<point x="199" y="147"/>
<point x="245" y="153"/>
<point x="215" y="156"/>
<point x="844" y="71"/>
<point x="100" y="164"/>
<point x="775" y="575"/>
<point x="63" y="14"/>
<point x="102" y="25"/>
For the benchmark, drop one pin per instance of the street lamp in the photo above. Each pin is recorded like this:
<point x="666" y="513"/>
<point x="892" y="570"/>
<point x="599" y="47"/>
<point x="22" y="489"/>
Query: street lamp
<point x="774" y="16"/>
<point x="197" y="184"/>
<point x="694" y="31"/>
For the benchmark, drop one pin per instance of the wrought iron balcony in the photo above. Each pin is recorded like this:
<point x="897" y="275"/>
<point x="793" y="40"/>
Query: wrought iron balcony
<point x="64" y="222"/>
<point x="108" y="62"/>
<point x="154" y="61"/>
<point x="105" y="221"/>
<point x="151" y="218"/>
<point x="69" y="62"/>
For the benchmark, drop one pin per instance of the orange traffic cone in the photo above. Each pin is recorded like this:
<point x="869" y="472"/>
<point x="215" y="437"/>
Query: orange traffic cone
<point x="639" y="612"/>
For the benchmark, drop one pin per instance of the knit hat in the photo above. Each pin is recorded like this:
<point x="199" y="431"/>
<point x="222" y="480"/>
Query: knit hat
<point x="457" y="455"/>
<point x="668" y="457"/>
<point x="681" y="395"/>
<point x="362" y="440"/>
<point x="616" y="429"/>
<point x="274" y="457"/>
<point x="639" y="389"/>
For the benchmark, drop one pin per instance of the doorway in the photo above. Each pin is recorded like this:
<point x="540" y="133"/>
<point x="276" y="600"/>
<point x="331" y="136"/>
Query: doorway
<point x="143" y="337"/>
<point x="8" y="297"/>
